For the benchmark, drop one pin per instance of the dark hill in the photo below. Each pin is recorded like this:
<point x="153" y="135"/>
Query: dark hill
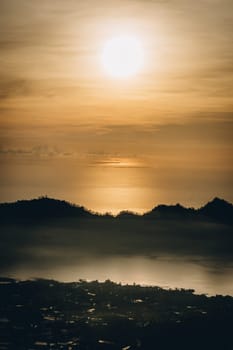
<point x="44" y="208"/>
<point x="170" y="212"/>
<point x="41" y="208"/>
<point x="218" y="210"/>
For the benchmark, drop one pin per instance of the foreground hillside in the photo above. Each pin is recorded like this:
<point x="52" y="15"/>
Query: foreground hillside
<point x="44" y="314"/>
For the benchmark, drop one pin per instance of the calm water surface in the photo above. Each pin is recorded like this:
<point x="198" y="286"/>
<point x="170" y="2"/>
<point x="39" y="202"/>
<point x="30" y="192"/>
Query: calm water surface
<point x="170" y="272"/>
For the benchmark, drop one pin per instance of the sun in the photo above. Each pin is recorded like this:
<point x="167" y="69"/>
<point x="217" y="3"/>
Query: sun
<point x="122" y="56"/>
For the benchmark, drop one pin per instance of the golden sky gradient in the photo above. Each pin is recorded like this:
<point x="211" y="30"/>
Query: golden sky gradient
<point x="71" y="131"/>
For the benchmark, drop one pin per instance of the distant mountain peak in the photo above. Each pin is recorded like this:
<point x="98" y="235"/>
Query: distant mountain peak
<point x="218" y="209"/>
<point x="163" y="211"/>
<point x="41" y="208"/>
<point x="218" y="202"/>
<point x="44" y="208"/>
<point x="169" y="208"/>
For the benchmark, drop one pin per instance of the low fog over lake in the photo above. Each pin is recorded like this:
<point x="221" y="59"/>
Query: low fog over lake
<point x="184" y="250"/>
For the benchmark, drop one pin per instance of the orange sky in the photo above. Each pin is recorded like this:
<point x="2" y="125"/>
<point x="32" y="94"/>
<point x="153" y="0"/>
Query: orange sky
<point x="70" y="131"/>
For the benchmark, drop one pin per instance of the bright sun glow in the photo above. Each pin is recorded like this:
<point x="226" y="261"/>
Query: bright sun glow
<point x="122" y="56"/>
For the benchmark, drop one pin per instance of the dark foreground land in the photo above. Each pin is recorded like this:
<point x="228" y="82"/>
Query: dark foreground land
<point x="45" y="314"/>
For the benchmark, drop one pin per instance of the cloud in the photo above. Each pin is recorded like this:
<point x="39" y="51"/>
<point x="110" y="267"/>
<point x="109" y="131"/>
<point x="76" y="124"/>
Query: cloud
<point x="13" y="87"/>
<point x="119" y="162"/>
<point x="39" y="151"/>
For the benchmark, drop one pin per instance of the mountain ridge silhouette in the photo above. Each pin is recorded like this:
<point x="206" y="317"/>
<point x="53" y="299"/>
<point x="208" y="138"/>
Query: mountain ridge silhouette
<point x="49" y="208"/>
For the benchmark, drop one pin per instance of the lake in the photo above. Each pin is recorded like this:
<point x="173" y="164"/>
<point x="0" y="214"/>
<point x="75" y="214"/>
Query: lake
<point x="204" y="276"/>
